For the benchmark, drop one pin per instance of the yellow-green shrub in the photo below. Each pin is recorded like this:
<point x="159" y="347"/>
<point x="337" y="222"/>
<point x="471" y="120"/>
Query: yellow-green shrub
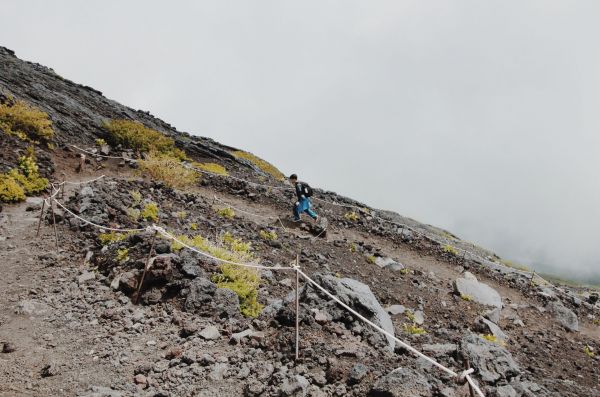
<point x="226" y="212"/>
<point x="371" y="259"/>
<point x="241" y="280"/>
<point x="212" y="167"/>
<point x="10" y="190"/>
<point x="168" y="170"/>
<point x="100" y="142"/>
<point x="351" y="216"/>
<point x="260" y="163"/>
<point x="450" y="250"/>
<point x="244" y="282"/>
<point x="25" y="122"/>
<point x="21" y="181"/>
<point x="136" y="196"/>
<point x="413" y="329"/>
<point x="122" y="255"/>
<point x="150" y="211"/>
<point x="135" y="135"/>
<point x="133" y="214"/>
<point x="111" y="237"/>
<point x="268" y="235"/>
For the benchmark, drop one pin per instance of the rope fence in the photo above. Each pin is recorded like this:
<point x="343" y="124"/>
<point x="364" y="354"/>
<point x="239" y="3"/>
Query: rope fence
<point x="459" y="377"/>
<point x="462" y="251"/>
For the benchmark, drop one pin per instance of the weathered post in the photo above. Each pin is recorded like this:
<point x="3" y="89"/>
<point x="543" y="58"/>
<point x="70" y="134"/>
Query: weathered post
<point x="137" y="294"/>
<point x="297" y="306"/>
<point x="37" y="234"/>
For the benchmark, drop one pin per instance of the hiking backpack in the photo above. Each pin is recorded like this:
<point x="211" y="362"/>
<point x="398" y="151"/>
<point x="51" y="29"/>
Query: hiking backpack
<point x="307" y="190"/>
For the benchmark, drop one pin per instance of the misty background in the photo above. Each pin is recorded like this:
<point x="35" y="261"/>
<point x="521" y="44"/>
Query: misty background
<point x="479" y="117"/>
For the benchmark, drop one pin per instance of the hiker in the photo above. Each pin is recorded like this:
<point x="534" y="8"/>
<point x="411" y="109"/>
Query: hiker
<point x="303" y="192"/>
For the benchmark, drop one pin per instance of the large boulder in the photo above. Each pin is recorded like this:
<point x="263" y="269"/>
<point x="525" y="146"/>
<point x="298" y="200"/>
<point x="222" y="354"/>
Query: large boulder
<point x="469" y="286"/>
<point x="564" y="315"/>
<point x="402" y="382"/>
<point x="491" y="361"/>
<point x="359" y="297"/>
<point x="205" y="298"/>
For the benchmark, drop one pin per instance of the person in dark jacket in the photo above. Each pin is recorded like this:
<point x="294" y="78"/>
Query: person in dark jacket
<point x="303" y="204"/>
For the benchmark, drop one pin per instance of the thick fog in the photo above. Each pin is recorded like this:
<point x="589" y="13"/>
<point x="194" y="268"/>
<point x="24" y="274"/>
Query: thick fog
<point x="479" y="117"/>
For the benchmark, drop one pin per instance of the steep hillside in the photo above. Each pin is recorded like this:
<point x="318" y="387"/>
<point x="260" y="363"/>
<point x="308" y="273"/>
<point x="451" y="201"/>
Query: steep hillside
<point x="131" y="285"/>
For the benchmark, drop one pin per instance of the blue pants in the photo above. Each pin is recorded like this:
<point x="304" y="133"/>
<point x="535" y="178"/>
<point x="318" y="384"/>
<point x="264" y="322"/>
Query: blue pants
<point x="304" y="206"/>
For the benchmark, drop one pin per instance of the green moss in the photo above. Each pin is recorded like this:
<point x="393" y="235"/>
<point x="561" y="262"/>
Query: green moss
<point x="25" y="122"/>
<point x="371" y="259"/>
<point x="150" y="212"/>
<point x="226" y="212"/>
<point x="589" y="352"/>
<point x="193" y="226"/>
<point x="410" y="315"/>
<point x="100" y="142"/>
<point x="353" y="247"/>
<point x="136" y="136"/>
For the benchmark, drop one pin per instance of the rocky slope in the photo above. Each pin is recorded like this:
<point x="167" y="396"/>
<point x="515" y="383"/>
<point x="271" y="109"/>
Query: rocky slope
<point x="69" y="324"/>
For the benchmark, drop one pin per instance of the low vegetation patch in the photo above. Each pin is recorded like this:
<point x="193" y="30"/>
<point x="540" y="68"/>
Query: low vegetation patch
<point x="22" y="181"/>
<point x="212" y="167"/>
<point x="25" y="122"/>
<point x="351" y="216"/>
<point x="100" y="142"/>
<point x="10" y="190"/>
<point x="226" y="212"/>
<point x="150" y="211"/>
<point x="466" y="297"/>
<point x="450" y="250"/>
<point x="169" y="170"/>
<point x="122" y="255"/>
<point x="112" y="237"/>
<point x="261" y="164"/>
<point x="268" y="235"/>
<point x="413" y="329"/>
<point x="241" y="280"/>
<point x="589" y="351"/>
<point x="134" y="135"/>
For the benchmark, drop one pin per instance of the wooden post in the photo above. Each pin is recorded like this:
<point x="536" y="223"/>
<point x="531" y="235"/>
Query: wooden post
<point x="297" y="307"/>
<point x="532" y="277"/>
<point x="137" y="294"/>
<point x="471" y="391"/>
<point x="54" y="224"/>
<point x="37" y="234"/>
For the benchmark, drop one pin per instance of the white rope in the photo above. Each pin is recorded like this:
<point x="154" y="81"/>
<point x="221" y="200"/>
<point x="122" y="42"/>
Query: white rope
<point x="170" y="236"/>
<point x="102" y="155"/>
<point x="244" y="212"/>
<point x="378" y="328"/>
<point x="95" y="224"/>
<point x="82" y="182"/>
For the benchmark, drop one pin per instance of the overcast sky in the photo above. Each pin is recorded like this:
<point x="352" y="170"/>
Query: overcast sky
<point x="481" y="117"/>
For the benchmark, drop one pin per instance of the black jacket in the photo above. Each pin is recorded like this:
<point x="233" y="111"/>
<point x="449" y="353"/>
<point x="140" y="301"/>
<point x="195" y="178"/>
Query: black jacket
<point x="301" y="190"/>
